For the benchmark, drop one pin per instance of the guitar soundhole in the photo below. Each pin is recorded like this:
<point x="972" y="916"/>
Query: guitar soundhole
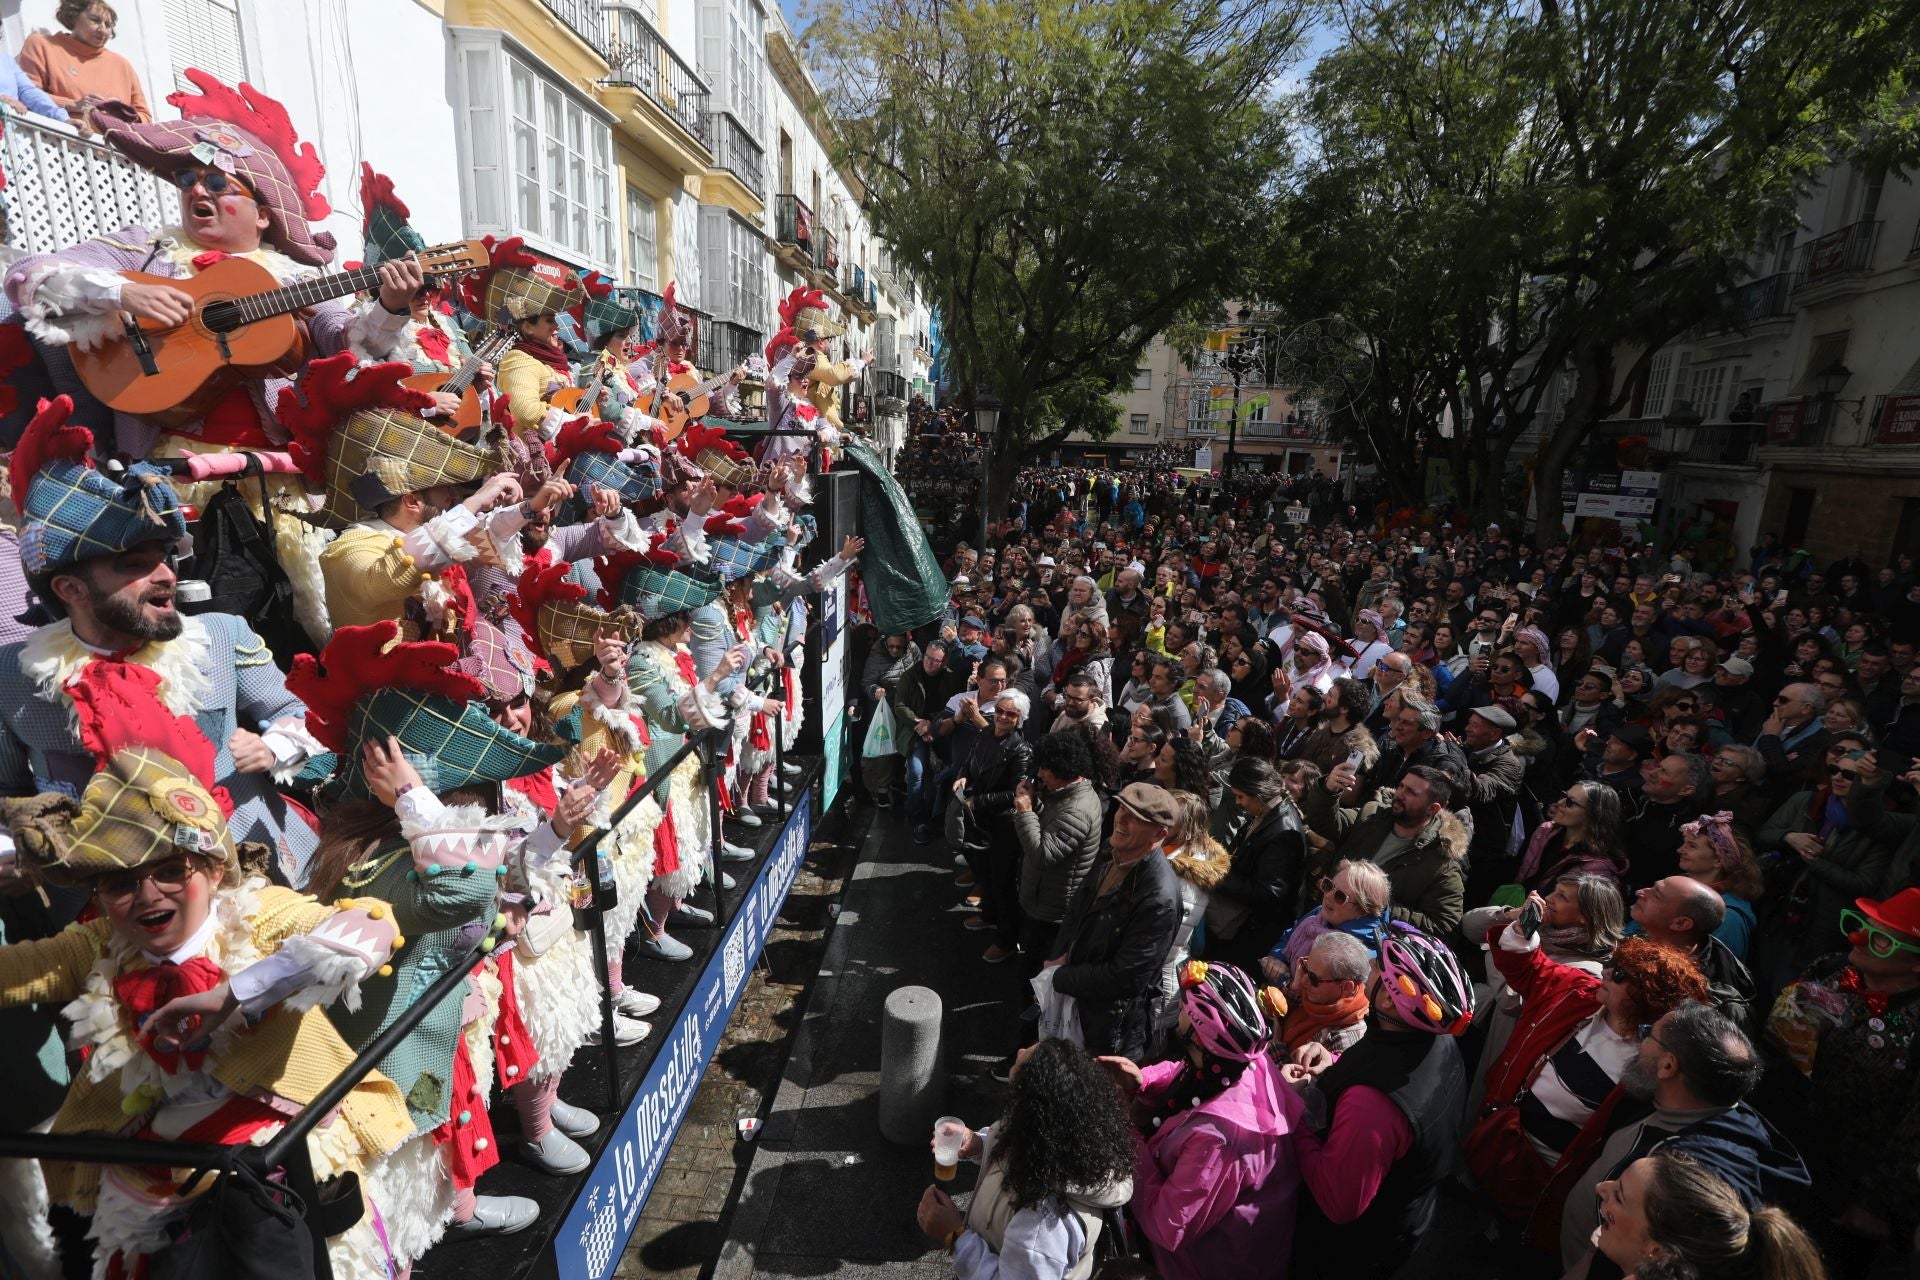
<point x="221" y="317"/>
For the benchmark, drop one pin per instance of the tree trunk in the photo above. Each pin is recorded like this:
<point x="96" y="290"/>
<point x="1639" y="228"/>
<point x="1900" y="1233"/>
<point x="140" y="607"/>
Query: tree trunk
<point x="1592" y="390"/>
<point x="1005" y="454"/>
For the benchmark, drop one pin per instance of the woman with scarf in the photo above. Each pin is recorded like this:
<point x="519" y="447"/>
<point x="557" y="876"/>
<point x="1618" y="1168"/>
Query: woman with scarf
<point x="1824" y="863"/>
<point x="1353" y="900"/>
<point x="1534" y="649"/>
<point x="1718" y="854"/>
<point x="1581" y="835"/>
<point x="1214" y="1178"/>
<point x="1370" y="643"/>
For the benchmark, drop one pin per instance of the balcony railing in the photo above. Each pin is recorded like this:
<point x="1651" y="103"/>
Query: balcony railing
<point x="889" y="385"/>
<point x="828" y="250"/>
<point x="1768" y="298"/>
<point x="729" y="345"/>
<point x="640" y="58"/>
<point x="581" y="15"/>
<point x="735" y="151"/>
<point x="794" y="222"/>
<point x="1839" y="253"/>
<point x="62" y="189"/>
<point x="860" y="283"/>
<point x="1728" y="445"/>
<point x="873" y="294"/>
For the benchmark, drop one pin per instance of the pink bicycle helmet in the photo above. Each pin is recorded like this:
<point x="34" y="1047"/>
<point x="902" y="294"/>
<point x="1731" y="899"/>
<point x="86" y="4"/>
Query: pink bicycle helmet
<point x="1429" y="989"/>
<point x="1228" y="1016"/>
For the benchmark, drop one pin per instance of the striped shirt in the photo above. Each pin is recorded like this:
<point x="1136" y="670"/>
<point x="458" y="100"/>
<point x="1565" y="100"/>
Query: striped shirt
<point x="1573" y="1081"/>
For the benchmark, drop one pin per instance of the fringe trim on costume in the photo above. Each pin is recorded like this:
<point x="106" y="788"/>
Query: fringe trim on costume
<point x="413" y="1189"/>
<point x="478" y="1034"/>
<point x="559" y="999"/>
<point x="688" y="798"/>
<point x="619" y="723"/>
<point x="336" y="976"/>
<point x="52" y="298"/>
<point x="25" y="1233"/>
<point x="52" y="656"/>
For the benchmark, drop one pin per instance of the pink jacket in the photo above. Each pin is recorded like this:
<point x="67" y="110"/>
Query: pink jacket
<point x="1213" y="1189"/>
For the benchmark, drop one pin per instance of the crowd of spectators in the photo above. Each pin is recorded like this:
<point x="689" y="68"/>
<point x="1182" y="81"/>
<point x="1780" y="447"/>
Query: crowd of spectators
<point x="1387" y="867"/>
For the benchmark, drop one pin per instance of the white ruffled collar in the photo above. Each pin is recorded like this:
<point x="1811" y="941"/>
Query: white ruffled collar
<point x="53" y="656"/>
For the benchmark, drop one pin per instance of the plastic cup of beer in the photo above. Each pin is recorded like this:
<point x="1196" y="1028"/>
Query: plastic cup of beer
<point x="949" y="1135"/>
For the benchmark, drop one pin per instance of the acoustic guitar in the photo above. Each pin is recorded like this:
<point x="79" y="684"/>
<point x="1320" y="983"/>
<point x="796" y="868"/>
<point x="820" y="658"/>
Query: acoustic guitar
<point x="243" y="325"/>
<point x="696" y="397"/>
<point x="471" y="412"/>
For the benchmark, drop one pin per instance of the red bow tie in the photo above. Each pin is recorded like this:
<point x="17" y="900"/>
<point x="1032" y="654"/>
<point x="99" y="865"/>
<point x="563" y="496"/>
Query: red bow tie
<point x="144" y="991"/>
<point x="1848" y="980"/>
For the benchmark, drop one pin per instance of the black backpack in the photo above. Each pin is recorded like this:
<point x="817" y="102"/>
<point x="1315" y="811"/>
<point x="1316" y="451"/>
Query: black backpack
<point x="233" y="554"/>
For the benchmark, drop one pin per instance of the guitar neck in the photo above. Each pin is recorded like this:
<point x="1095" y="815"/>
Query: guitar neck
<point x="304" y="293"/>
<point x="486" y="349"/>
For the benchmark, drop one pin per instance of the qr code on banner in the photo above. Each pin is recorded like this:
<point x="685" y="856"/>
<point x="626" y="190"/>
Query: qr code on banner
<point x="600" y="1238"/>
<point x="736" y="963"/>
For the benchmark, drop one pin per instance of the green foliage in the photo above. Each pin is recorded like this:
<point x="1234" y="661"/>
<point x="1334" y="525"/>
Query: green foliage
<point x="1065" y="175"/>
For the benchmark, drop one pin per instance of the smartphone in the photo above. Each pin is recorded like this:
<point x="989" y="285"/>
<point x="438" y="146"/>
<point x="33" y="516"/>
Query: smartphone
<point x="1779" y="599"/>
<point x="1354" y="759"/>
<point x="1530" y="921"/>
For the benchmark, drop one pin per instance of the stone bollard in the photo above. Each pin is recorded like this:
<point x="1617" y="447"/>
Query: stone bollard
<point x="913" y="1074"/>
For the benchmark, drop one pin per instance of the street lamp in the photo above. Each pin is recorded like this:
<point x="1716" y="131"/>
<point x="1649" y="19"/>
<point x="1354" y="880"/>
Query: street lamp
<point x="986" y="419"/>
<point x="1828" y="384"/>
<point x="1241" y="359"/>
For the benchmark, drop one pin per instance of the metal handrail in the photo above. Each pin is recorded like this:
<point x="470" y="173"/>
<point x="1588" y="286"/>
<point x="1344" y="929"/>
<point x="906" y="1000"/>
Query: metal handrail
<point x="640" y="57"/>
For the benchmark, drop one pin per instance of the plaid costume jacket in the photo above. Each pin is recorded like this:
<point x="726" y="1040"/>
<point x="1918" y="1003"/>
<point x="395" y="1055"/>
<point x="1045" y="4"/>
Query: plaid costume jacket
<point x="440" y="916"/>
<point x="330" y="326"/>
<point x="40" y="746"/>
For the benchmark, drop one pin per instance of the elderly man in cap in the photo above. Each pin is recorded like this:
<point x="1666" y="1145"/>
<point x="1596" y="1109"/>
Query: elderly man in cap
<point x="1120" y="926"/>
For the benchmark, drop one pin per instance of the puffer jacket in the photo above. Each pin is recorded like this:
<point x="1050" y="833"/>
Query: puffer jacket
<point x="1198" y="871"/>
<point x="1059" y="840"/>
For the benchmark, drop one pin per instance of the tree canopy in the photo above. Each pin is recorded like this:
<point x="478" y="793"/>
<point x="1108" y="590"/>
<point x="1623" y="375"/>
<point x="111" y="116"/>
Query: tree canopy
<point x="1065" y="176"/>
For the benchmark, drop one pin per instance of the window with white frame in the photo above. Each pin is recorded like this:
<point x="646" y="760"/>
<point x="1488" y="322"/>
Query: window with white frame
<point x="1709" y="390"/>
<point x="643" y="241"/>
<point x="729" y="44"/>
<point x="1136" y="424"/>
<point x="205" y="34"/>
<point x="1143" y="379"/>
<point x="1659" y="378"/>
<point x="539" y="156"/>
<point x="748" y="262"/>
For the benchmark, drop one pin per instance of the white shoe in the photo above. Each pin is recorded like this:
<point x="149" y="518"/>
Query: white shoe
<point x="730" y="852"/>
<point x="665" y="947"/>
<point x="726" y="881"/>
<point x="792" y="770"/>
<point x="745" y="817"/>
<point x="635" y="1004"/>
<point x="626" y="1031"/>
<point x="556" y="1154"/>
<point x="575" y="1122"/>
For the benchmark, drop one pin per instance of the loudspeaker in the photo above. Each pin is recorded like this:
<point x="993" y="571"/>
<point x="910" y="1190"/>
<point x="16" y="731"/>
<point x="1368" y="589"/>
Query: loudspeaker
<point x="836" y="504"/>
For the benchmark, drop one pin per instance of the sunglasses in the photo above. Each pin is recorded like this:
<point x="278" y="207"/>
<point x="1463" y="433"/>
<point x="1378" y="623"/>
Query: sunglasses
<point x="1571" y="803"/>
<point x="118" y="886"/>
<point x="1620" y="975"/>
<point x="1308" y="976"/>
<point x="1339" y="895"/>
<point x="1645" y="1031"/>
<point x="1835" y="771"/>
<point x="213" y="181"/>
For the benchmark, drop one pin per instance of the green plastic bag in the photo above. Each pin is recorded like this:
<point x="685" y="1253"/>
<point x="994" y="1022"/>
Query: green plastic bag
<point x="905" y="588"/>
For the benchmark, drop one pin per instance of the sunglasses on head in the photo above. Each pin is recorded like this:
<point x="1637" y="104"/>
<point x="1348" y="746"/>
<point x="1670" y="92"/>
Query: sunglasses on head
<point x="1619" y="975"/>
<point x="213" y="181"/>
<point x="1878" y="940"/>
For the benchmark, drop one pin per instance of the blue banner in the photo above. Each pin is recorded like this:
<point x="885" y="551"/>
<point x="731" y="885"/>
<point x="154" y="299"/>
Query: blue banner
<point x="590" y="1242"/>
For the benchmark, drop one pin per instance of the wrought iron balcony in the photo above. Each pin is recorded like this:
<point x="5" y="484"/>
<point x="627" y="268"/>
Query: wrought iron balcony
<point x="1767" y="298"/>
<point x="1730" y="445"/>
<point x="735" y="151"/>
<point x="729" y="345"/>
<point x="859" y="290"/>
<point x="827" y="248"/>
<point x="890" y="386"/>
<point x="62" y="189"/>
<point x="640" y="58"/>
<point x="581" y="15"/>
<point x="793" y="222"/>
<point x="1847" y="251"/>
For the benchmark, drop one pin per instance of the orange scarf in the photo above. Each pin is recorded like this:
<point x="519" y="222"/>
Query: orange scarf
<point x="1307" y="1020"/>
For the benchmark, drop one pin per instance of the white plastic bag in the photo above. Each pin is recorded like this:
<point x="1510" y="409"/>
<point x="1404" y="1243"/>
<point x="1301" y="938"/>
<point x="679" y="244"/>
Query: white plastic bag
<point x="1059" y="1012"/>
<point x="880" y="741"/>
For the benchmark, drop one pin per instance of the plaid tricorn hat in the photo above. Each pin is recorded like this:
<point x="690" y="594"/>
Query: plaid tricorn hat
<point x="554" y="614"/>
<point x="739" y="542"/>
<point x="244" y="133"/>
<point x="70" y="510"/>
<point x="589" y="450"/>
<point x="718" y="456"/>
<point x="520" y="285"/>
<point x="609" y="311"/>
<point x="656" y="583"/>
<point x="360" y="690"/>
<point x="383" y="220"/>
<point x="502" y="665"/>
<point x="143" y="807"/>
<point x="381" y="450"/>
<point x="808" y="313"/>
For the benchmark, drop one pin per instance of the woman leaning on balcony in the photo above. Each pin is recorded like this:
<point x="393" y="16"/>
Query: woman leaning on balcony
<point x="76" y="68"/>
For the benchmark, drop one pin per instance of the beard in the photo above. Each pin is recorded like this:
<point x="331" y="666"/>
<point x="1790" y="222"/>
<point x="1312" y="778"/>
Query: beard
<point x="1638" y="1080"/>
<point x="129" y="617"/>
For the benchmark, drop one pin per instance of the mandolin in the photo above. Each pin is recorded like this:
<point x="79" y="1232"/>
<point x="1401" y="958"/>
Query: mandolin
<point x="243" y="326"/>
<point x="460" y="382"/>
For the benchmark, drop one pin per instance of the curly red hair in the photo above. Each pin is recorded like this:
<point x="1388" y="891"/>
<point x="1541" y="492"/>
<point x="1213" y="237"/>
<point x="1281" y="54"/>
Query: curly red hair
<point x="1658" y="979"/>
